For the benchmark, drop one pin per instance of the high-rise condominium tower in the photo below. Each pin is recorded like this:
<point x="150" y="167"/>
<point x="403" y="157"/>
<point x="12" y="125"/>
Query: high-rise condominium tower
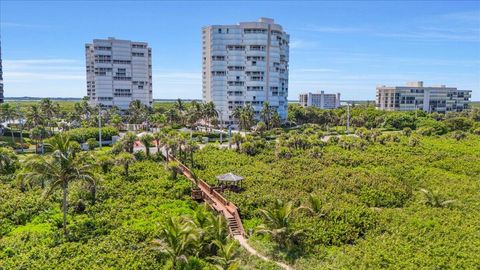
<point x="246" y="63"/>
<point x="1" y="75"/>
<point x="118" y="72"/>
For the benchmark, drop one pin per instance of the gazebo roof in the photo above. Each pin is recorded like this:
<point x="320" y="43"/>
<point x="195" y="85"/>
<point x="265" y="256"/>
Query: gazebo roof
<point x="229" y="177"/>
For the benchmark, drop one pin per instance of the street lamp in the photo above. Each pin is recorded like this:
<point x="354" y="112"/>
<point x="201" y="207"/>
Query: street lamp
<point x="220" y="112"/>
<point x="100" y="113"/>
<point x="20" y="121"/>
<point x="348" y="116"/>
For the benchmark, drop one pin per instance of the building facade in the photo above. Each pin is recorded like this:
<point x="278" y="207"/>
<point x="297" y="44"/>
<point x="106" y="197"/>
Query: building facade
<point x="415" y="96"/>
<point x="245" y="63"/>
<point x="1" y="75"/>
<point x="118" y="72"/>
<point x="319" y="100"/>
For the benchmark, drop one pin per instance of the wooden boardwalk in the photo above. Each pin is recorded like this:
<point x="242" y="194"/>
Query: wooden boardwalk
<point x="215" y="200"/>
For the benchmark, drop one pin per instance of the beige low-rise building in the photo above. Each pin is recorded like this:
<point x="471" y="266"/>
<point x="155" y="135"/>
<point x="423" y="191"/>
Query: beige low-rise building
<point x="416" y="96"/>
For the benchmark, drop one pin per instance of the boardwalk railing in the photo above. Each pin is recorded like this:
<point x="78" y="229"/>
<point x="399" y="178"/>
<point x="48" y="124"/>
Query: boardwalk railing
<point x="210" y="195"/>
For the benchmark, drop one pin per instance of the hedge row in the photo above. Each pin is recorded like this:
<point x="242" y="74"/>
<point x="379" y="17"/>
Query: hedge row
<point x="81" y="135"/>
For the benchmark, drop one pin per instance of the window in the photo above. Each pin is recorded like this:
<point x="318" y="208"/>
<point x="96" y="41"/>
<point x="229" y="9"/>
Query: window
<point x="254" y="88"/>
<point x="122" y="78"/>
<point x="254" y="31"/>
<point x="235" y="47"/>
<point x="257" y="47"/>
<point x="139" y="46"/>
<point x="115" y="61"/>
<point x="236" y="68"/>
<point x="103" y="48"/>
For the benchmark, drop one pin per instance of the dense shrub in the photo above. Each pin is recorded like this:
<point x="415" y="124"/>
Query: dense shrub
<point x="399" y="121"/>
<point x="459" y="123"/>
<point x="431" y="127"/>
<point x="81" y="135"/>
<point x="369" y="198"/>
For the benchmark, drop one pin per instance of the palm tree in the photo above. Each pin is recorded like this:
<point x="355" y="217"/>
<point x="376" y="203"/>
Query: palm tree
<point x="179" y="105"/>
<point x="137" y="112"/>
<point x="49" y="111"/>
<point x="260" y="128"/>
<point x="194" y="114"/>
<point x="125" y="159"/>
<point x="237" y="139"/>
<point x="34" y="117"/>
<point x="158" y="137"/>
<point x="275" y="121"/>
<point x="8" y="114"/>
<point x="157" y="119"/>
<point x="227" y="253"/>
<point x="105" y="162"/>
<point x="178" y="239"/>
<point x="8" y="160"/>
<point x="146" y="140"/>
<point x="245" y="116"/>
<point x="116" y="120"/>
<point x="315" y="204"/>
<point x="278" y="223"/>
<point x="266" y="114"/>
<point x="172" y="115"/>
<point x="173" y="167"/>
<point x="433" y="199"/>
<point x="209" y="112"/>
<point x="128" y="141"/>
<point x="60" y="169"/>
<point x="171" y="147"/>
<point x="191" y="147"/>
<point x="217" y="228"/>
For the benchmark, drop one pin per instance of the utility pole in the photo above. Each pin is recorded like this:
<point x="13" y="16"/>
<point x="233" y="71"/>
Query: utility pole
<point x="229" y="136"/>
<point x="348" y="118"/>
<point x="20" y="120"/>
<point x="99" y="128"/>
<point x="221" y="127"/>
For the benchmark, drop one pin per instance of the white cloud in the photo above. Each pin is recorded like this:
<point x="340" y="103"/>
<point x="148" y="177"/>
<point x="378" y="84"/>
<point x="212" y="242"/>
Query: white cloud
<point x="302" y="44"/>
<point x="24" y="25"/>
<point x="316" y="70"/>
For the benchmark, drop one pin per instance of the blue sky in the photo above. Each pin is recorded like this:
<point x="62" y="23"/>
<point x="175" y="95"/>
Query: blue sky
<point x="346" y="47"/>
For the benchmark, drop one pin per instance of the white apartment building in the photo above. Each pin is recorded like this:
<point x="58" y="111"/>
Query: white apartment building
<point x="415" y="96"/>
<point x="319" y="100"/>
<point x="118" y="72"/>
<point x="245" y="63"/>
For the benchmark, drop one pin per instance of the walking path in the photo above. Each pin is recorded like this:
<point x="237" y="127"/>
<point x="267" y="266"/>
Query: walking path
<point x="243" y="242"/>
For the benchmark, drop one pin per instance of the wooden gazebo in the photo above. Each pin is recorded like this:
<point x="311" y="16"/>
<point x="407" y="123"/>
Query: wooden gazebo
<point x="230" y="181"/>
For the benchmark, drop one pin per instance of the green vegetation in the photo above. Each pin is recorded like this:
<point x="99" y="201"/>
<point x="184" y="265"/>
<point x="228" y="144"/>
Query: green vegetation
<point x="401" y="191"/>
<point x="372" y="204"/>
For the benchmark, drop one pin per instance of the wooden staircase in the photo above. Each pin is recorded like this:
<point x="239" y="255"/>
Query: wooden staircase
<point x="214" y="199"/>
<point x="234" y="227"/>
